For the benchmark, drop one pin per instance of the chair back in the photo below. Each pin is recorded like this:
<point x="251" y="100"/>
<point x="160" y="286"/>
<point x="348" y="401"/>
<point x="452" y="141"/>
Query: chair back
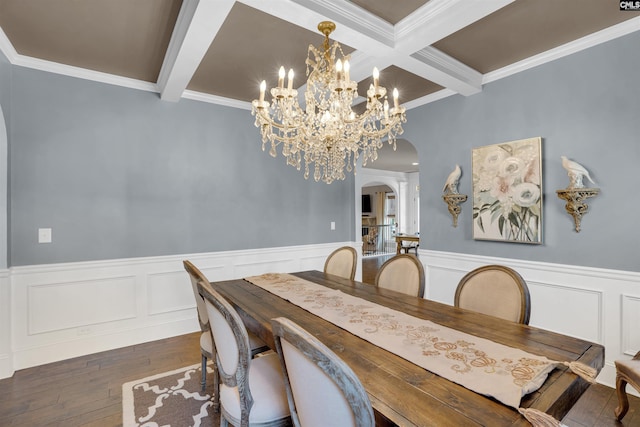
<point x="196" y="275"/>
<point x="495" y="290"/>
<point x="403" y="273"/>
<point x="231" y="343"/>
<point x="342" y="262"/>
<point x="321" y="389"/>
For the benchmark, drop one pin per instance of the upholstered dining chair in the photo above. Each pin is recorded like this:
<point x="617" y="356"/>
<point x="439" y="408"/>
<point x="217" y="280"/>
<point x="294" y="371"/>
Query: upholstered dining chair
<point x="627" y="371"/>
<point x="206" y="345"/>
<point x="322" y="390"/>
<point x="403" y="273"/>
<point x="252" y="391"/>
<point x="342" y="262"/>
<point x="495" y="290"/>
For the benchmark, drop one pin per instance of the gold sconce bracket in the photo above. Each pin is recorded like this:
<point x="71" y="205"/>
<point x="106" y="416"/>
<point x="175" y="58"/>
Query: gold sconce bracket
<point x="453" y="203"/>
<point x="576" y="206"/>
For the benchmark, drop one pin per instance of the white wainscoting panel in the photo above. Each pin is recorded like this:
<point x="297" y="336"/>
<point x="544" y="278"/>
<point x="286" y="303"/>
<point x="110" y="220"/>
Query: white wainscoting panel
<point x="582" y="306"/>
<point x="598" y="305"/>
<point x="166" y="293"/>
<point x="58" y="311"/>
<point x="73" y="304"/>
<point x="6" y="357"/>
<point x="630" y="324"/>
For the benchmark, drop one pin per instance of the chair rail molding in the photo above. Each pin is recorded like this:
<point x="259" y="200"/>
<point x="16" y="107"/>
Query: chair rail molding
<point x="605" y="304"/>
<point x="50" y="313"/>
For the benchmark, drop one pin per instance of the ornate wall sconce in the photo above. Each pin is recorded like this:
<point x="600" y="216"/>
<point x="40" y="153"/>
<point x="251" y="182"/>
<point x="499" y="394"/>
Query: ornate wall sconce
<point x="576" y="194"/>
<point x="451" y="197"/>
<point x="576" y="206"/>
<point x="453" y="203"/>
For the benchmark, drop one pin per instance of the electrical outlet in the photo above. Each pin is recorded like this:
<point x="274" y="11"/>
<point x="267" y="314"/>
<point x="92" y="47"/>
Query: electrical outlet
<point x="333" y="225"/>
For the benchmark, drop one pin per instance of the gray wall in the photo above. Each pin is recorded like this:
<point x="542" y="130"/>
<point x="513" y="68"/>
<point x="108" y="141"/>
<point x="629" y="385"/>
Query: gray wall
<point x="584" y="106"/>
<point x="5" y="102"/>
<point x="118" y="173"/>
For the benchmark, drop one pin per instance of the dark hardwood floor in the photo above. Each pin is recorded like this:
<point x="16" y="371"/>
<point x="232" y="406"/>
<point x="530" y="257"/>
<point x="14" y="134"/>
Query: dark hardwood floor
<point x="87" y="391"/>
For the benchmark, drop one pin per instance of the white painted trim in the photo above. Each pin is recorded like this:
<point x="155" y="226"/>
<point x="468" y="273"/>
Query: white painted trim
<point x="306" y="18"/>
<point x="427" y="99"/>
<point x="6" y="357"/>
<point x="438" y="19"/>
<point x="354" y="17"/>
<point x="7" y="48"/>
<point x="455" y="73"/>
<point x="83" y="73"/>
<point x="157" y="290"/>
<point x="197" y="25"/>
<point x="214" y="99"/>
<point x="611" y="33"/>
<point x="605" y="291"/>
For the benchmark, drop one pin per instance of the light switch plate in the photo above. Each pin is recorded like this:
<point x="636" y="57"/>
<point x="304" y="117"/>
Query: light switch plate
<point x="44" y="235"/>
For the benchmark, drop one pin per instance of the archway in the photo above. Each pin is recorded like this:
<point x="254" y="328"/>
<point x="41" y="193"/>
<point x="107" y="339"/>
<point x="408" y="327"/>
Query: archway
<point x="401" y="177"/>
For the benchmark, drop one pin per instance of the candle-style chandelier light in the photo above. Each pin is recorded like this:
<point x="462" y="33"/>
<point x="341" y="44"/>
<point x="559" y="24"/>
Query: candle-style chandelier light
<point x="327" y="133"/>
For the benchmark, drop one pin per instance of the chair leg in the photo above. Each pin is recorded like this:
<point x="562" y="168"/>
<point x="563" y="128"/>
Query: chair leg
<point x="623" y="401"/>
<point x="203" y="381"/>
<point x="216" y="388"/>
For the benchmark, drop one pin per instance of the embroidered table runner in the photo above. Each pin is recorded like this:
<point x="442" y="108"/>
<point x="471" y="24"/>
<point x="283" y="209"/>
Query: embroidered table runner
<point x="481" y="365"/>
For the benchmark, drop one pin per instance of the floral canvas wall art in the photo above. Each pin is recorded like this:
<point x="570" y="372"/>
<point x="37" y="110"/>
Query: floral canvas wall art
<point x="507" y="191"/>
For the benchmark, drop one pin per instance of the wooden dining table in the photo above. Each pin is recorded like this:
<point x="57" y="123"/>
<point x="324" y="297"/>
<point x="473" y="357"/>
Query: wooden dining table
<point x="403" y="393"/>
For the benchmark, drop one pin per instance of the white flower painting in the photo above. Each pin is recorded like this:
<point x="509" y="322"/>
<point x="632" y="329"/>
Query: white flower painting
<point x="507" y="191"/>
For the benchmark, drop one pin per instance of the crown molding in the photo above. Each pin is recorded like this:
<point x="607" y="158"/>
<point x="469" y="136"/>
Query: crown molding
<point x="428" y="99"/>
<point x="355" y="18"/>
<point x="214" y="99"/>
<point x="83" y="73"/>
<point x="586" y="42"/>
<point x="591" y="40"/>
<point x="7" y="48"/>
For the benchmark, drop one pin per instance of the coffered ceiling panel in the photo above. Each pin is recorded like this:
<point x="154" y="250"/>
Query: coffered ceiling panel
<point x="391" y="11"/>
<point x="219" y="50"/>
<point x="121" y="37"/>
<point x="525" y="28"/>
<point x="250" y="47"/>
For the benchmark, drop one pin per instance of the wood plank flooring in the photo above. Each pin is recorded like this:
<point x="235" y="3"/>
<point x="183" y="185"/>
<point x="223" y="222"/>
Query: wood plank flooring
<point x="87" y="391"/>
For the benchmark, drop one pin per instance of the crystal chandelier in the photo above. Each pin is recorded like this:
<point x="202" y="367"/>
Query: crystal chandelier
<point x="327" y="133"/>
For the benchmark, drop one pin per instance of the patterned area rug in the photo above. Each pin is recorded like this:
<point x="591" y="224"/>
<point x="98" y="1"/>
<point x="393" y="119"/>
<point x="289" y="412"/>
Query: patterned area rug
<point x="169" y="399"/>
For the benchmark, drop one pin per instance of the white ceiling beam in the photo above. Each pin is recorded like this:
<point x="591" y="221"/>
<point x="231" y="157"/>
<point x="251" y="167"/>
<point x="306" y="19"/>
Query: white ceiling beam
<point x="364" y="27"/>
<point x="373" y="38"/>
<point x="357" y="28"/>
<point x="197" y="25"/>
<point x="439" y="18"/>
<point x="446" y="71"/>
